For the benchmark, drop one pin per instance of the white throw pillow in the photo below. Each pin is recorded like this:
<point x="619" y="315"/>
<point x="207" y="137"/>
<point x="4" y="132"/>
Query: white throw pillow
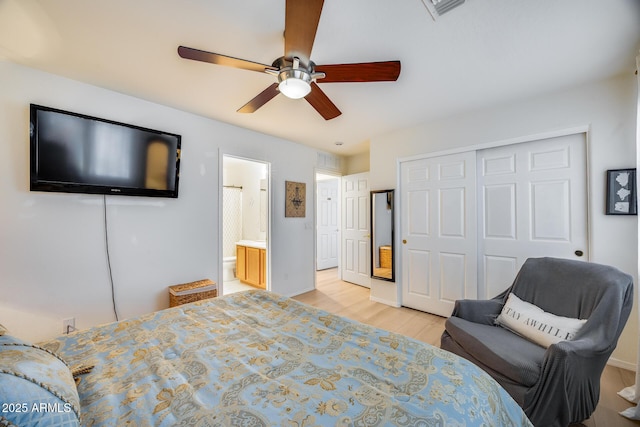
<point x="535" y="324"/>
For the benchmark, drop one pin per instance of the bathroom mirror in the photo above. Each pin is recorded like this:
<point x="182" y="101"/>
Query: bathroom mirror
<point x="382" y="250"/>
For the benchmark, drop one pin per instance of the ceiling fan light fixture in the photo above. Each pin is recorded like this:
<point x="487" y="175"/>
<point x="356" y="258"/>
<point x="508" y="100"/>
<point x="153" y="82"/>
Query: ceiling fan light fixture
<point x="294" y="83"/>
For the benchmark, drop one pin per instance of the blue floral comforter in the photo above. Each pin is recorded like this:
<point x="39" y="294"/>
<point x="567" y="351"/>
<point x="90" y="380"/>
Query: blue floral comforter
<point x="259" y="359"/>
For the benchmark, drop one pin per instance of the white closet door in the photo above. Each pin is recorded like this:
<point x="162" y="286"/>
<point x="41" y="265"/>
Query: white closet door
<point x="533" y="203"/>
<point x="438" y="229"/>
<point x="356" y="251"/>
<point x="328" y="232"/>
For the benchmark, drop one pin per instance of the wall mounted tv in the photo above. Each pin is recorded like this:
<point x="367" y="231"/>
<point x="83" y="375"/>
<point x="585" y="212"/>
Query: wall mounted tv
<point x="74" y="153"/>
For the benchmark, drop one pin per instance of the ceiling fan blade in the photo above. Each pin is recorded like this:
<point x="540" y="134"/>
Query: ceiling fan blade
<point x="262" y="98"/>
<point x="301" y="23"/>
<point x="387" y="71"/>
<point x="216" y="58"/>
<point x="321" y="102"/>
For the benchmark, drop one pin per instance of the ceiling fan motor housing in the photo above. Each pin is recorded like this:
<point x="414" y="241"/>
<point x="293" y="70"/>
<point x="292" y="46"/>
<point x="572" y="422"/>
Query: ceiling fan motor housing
<point x="294" y="79"/>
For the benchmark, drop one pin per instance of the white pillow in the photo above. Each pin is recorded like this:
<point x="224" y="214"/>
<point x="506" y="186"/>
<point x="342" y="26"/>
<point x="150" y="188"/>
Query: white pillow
<point x="536" y="324"/>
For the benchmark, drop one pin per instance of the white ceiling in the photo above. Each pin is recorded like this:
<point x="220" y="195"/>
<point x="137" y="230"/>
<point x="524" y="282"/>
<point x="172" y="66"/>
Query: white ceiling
<point x="482" y="53"/>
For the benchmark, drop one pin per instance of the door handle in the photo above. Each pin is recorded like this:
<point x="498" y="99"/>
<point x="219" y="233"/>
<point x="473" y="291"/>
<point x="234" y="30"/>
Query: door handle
<point x="404" y="241"/>
<point x="579" y="253"/>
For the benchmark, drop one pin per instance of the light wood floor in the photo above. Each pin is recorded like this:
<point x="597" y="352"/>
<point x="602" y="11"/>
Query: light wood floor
<point x="352" y="301"/>
<point x="233" y="286"/>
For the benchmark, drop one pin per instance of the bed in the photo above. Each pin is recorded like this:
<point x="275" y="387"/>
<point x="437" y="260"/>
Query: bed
<point x="259" y="359"/>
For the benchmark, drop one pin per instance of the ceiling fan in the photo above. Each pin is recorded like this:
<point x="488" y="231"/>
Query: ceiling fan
<point x="296" y="73"/>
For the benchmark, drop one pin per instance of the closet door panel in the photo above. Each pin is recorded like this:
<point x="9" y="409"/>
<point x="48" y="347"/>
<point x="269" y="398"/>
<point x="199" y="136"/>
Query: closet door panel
<point x="438" y="229"/>
<point x="533" y="203"/>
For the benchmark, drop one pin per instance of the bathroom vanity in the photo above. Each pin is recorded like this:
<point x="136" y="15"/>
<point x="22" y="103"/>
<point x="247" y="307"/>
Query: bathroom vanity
<point x="251" y="263"/>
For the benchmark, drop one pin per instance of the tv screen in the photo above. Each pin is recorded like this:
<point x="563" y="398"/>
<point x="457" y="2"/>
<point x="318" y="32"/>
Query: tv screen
<point x="75" y="153"/>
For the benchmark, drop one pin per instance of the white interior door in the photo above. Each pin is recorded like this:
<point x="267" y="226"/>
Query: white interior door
<point x="356" y="240"/>
<point x="438" y="229"/>
<point x="533" y="203"/>
<point x="328" y="231"/>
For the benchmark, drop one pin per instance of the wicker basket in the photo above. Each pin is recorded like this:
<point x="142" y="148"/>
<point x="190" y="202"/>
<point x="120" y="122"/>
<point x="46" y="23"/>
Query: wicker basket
<point x="385" y="256"/>
<point x="191" y="292"/>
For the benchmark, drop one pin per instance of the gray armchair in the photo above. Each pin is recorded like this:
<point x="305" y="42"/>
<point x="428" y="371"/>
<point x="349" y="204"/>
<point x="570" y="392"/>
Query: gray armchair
<point x="558" y="385"/>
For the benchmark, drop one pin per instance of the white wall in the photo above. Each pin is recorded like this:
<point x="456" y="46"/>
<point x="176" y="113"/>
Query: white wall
<point x="52" y="253"/>
<point x="608" y="108"/>
<point x="357" y="163"/>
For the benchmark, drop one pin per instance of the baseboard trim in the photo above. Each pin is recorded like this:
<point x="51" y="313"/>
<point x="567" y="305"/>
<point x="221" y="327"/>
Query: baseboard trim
<point x="384" y="301"/>
<point x="300" y="292"/>
<point x="621" y="364"/>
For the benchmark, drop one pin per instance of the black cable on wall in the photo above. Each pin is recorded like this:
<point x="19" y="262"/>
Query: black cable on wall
<point x="106" y="243"/>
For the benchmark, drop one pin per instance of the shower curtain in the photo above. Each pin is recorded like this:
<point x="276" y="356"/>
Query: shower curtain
<point x="231" y="220"/>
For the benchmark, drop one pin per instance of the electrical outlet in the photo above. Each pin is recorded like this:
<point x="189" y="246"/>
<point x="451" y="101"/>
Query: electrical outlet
<point x="68" y="325"/>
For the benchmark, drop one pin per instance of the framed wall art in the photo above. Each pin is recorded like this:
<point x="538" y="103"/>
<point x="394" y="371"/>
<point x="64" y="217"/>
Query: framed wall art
<point x="621" y="192"/>
<point x="295" y="199"/>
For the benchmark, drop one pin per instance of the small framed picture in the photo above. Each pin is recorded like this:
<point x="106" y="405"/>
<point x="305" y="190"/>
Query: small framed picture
<point x="621" y="192"/>
<point x="295" y="202"/>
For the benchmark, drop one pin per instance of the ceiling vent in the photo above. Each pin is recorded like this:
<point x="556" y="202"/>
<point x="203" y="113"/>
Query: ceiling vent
<point x="439" y="7"/>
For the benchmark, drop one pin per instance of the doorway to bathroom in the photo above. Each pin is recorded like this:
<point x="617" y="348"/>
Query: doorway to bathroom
<point x="245" y="224"/>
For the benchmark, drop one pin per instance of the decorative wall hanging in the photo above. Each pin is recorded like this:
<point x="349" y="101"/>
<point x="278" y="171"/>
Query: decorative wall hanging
<point x="295" y="199"/>
<point x="621" y="192"/>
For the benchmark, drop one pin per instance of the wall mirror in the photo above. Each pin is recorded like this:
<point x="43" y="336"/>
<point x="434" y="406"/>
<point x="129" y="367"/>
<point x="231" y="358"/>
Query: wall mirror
<point x="382" y="247"/>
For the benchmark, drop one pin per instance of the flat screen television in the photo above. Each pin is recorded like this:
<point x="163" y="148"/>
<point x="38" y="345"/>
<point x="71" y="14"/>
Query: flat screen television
<point x="75" y="153"/>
